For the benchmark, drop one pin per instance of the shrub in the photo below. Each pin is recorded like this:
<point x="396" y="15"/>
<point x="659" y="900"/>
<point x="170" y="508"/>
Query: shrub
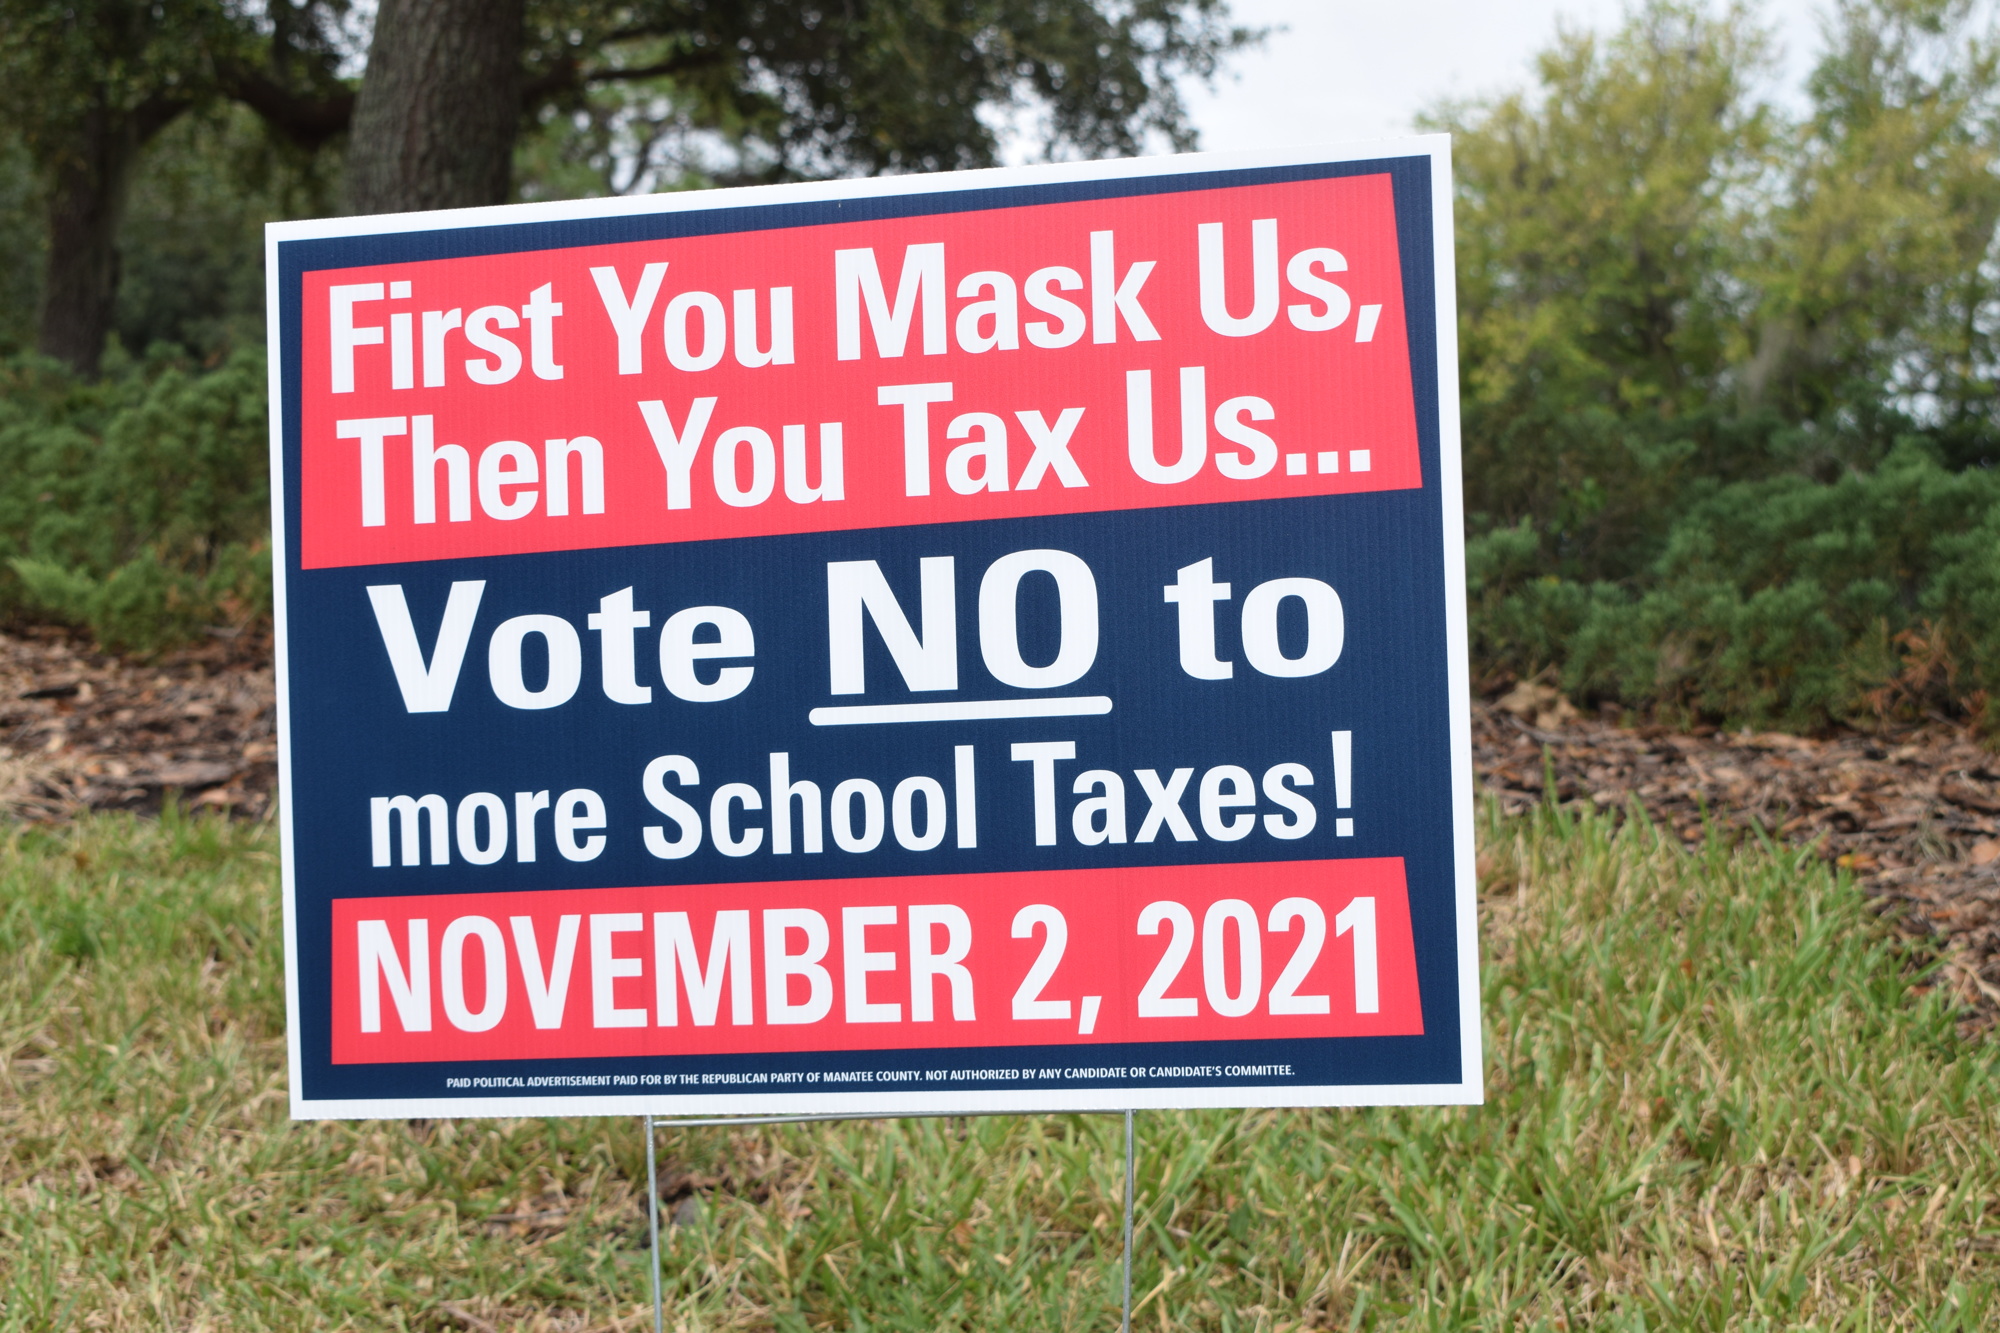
<point x="1779" y="602"/>
<point x="138" y="506"/>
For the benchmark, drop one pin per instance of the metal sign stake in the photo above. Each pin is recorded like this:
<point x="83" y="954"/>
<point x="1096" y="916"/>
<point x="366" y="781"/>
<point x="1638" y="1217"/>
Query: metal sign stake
<point x="653" y="1217"/>
<point x="1125" y="1322"/>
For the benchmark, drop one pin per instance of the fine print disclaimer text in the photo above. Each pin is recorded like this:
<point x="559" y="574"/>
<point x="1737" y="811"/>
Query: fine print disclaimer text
<point x="776" y="1077"/>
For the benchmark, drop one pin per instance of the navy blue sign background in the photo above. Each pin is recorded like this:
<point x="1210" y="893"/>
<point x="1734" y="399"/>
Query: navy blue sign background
<point x="351" y="738"/>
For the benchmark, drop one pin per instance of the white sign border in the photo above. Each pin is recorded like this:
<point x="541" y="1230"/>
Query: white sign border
<point x="1469" y="1090"/>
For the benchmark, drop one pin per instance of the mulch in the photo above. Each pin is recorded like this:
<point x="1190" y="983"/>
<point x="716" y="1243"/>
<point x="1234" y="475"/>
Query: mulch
<point x="1913" y="811"/>
<point x="83" y="731"/>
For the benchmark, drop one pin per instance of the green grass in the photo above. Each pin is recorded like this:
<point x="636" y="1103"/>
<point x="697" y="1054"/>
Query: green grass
<point x="1715" y="1102"/>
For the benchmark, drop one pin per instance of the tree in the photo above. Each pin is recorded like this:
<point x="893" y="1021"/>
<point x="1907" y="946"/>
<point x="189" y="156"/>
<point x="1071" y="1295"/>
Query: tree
<point x="1603" y="229"/>
<point x="440" y="107"/>
<point x="1882" y="283"/>
<point x="1730" y="375"/>
<point x="452" y="85"/>
<point x="785" y="90"/>
<point x="87" y="85"/>
<point x="291" y="75"/>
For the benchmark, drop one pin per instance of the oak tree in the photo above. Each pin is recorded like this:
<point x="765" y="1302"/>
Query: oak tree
<point x="783" y="90"/>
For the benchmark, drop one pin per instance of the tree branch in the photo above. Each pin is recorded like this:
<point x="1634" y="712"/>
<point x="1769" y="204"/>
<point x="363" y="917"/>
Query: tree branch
<point x="156" y="113"/>
<point x="623" y="73"/>
<point x="559" y="78"/>
<point x="306" y="119"/>
<point x="568" y="75"/>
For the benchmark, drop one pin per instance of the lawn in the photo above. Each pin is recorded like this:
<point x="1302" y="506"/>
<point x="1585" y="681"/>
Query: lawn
<point x="1715" y="1101"/>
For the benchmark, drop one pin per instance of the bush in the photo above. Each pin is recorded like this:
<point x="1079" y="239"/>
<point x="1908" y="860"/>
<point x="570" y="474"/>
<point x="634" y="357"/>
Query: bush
<point x="1781" y="602"/>
<point x="136" y="507"/>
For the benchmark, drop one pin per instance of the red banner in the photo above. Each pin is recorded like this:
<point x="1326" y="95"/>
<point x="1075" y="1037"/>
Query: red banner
<point x="1161" y="954"/>
<point x="1181" y="348"/>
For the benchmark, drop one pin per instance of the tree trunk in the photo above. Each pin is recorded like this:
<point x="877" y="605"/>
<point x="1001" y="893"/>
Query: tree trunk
<point x="87" y="191"/>
<point x="440" y="106"/>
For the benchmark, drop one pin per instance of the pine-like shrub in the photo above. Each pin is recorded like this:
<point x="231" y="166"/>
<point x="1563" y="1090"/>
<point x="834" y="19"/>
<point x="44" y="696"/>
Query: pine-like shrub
<point x="137" y="506"/>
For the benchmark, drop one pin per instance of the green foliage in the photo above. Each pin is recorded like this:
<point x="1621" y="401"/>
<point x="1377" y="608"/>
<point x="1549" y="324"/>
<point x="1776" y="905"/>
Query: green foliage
<point x="1714" y="1101"/>
<point x="1785" y="601"/>
<point x="1730" y="373"/>
<point x="145" y="145"/>
<point x="192" y="246"/>
<point x="136" y="506"/>
<point x="1729" y="377"/>
<point x="1599" y="221"/>
<point x="1877" y="277"/>
<point x="69" y="70"/>
<point x="638" y="95"/>
<point x="22" y="241"/>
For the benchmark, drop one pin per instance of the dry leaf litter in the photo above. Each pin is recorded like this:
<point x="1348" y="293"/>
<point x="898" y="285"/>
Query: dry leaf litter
<point x="1913" y="812"/>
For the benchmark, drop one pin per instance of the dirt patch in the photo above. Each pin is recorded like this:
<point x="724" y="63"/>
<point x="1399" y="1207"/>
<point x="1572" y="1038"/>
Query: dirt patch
<point x="1915" y="814"/>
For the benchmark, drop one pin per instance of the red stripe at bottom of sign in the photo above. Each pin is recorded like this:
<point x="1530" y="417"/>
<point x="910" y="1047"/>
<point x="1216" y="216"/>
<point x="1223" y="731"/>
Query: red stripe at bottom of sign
<point x="1173" y="953"/>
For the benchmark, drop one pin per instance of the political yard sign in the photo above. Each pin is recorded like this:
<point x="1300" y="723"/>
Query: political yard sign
<point x="951" y="643"/>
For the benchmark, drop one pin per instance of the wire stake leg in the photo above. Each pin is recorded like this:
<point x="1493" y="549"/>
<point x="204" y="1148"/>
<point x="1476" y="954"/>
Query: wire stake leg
<point x="1125" y="1323"/>
<point x="653" y="1219"/>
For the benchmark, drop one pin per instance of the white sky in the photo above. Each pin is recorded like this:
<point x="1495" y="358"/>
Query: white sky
<point x="1345" y="69"/>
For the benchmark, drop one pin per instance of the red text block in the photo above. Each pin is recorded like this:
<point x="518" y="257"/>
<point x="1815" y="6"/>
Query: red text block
<point x="1170" y="954"/>
<point x="1193" y="347"/>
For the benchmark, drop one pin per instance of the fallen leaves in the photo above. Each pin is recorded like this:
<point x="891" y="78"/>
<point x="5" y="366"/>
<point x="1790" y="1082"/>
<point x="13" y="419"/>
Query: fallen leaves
<point x="1540" y="704"/>
<point x="81" y="731"/>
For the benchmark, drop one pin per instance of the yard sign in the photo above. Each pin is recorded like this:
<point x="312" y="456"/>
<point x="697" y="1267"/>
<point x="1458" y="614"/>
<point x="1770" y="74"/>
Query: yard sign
<point x="974" y="642"/>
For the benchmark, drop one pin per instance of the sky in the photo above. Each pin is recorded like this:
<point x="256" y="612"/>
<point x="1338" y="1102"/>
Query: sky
<point x="1349" y="69"/>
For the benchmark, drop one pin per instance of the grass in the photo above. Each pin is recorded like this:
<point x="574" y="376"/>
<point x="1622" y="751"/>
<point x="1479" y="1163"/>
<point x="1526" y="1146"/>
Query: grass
<point x="1715" y="1102"/>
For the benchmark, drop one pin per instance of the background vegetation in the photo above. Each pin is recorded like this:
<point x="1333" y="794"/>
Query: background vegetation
<point x="144" y="143"/>
<point x="1728" y="347"/>
<point x="1729" y="367"/>
<point x="1713" y="1104"/>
